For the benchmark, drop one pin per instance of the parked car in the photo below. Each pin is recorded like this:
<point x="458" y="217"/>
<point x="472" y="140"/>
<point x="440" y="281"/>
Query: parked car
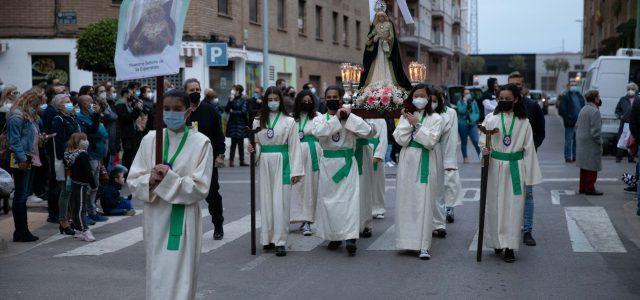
<point x="541" y="98"/>
<point x="552" y="99"/>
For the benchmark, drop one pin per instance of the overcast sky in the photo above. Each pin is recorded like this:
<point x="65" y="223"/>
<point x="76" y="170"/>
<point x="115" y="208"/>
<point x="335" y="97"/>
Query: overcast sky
<point x="529" y="26"/>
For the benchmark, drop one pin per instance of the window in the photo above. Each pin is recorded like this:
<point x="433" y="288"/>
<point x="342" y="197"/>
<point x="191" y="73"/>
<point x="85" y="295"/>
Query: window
<point x="548" y="83"/>
<point x="578" y="67"/>
<point x="345" y="28"/>
<point x="281" y="17"/>
<point x="253" y="11"/>
<point x="358" y="35"/>
<point x="223" y="7"/>
<point x="302" y="16"/>
<point x="335" y="27"/>
<point x="319" y="22"/>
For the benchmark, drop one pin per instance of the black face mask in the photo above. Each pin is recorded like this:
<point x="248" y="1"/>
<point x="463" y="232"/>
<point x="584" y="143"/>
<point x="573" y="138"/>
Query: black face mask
<point x="194" y="97"/>
<point x="504" y="105"/>
<point x="333" y="104"/>
<point x="307" y="107"/>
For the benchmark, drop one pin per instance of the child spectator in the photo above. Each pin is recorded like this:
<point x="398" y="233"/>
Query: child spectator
<point x="113" y="204"/>
<point x="76" y="160"/>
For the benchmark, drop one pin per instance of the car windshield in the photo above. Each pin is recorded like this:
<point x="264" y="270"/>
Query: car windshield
<point x="535" y="96"/>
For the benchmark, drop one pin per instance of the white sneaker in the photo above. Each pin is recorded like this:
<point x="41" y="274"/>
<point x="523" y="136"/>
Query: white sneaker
<point x="34" y="199"/>
<point x="306" y="229"/>
<point x="87" y="236"/>
<point x="424" y="254"/>
<point x="378" y="216"/>
<point x="390" y="164"/>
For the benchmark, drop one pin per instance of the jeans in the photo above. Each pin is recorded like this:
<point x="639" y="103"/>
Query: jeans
<point x="240" y="144"/>
<point x="22" y="181"/>
<point x="387" y="157"/>
<point x="637" y="173"/>
<point x="528" y="209"/>
<point x="569" y="143"/>
<point x="123" y="207"/>
<point x="468" y="131"/>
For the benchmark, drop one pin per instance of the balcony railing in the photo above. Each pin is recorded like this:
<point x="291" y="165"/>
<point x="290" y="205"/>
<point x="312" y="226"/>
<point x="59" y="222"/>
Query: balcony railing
<point x="437" y="8"/>
<point x="437" y="38"/>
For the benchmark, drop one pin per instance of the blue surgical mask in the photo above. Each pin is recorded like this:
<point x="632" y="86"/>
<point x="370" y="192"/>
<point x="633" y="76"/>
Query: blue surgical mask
<point x="274" y="105"/>
<point x="77" y="110"/>
<point x="313" y="90"/>
<point x="114" y="95"/>
<point x="43" y="107"/>
<point x="574" y="88"/>
<point x="137" y="93"/>
<point x="68" y="107"/>
<point x="173" y="119"/>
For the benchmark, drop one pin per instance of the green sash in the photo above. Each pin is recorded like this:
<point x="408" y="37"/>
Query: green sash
<point x="374" y="142"/>
<point x="286" y="167"/>
<point x="360" y="143"/>
<point x="177" y="210"/>
<point x="347" y="154"/>
<point x="513" y="159"/>
<point x="312" y="150"/>
<point x="424" y="161"/>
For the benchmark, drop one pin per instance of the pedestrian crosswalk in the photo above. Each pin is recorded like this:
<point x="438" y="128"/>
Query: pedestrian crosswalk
<point x="589" y="229"/>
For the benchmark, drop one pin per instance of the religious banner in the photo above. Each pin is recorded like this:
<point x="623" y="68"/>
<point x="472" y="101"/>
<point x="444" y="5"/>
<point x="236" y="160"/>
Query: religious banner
<point x="149" y="38"/>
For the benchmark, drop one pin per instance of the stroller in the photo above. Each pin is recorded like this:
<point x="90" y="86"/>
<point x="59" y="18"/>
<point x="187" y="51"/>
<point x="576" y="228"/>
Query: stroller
<point x="6" y="189"/>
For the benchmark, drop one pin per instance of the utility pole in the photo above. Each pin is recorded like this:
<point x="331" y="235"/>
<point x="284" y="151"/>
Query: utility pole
<point x="265" y="44"/>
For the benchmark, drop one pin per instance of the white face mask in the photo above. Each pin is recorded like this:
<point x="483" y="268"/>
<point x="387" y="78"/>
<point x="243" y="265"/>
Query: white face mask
<point x="631" y="93"/>
<point x="149" y="95"/>
<point x="274" y="105"/>
<point x="434" y="105"/>
<point x="233" y="93"/>
<point x="420" y="103"/>
<point x="84" y="145"/>
<point x="216" y="100"/>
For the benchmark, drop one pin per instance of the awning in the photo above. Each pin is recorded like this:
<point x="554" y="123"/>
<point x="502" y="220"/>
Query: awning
<point x="191" y="49"/>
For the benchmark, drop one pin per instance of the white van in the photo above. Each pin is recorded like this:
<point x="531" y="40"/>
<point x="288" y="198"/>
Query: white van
<point x="610" y="75"/>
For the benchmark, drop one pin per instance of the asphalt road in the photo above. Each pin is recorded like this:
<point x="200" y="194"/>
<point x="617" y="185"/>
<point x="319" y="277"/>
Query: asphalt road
<point x="587" y="248"/>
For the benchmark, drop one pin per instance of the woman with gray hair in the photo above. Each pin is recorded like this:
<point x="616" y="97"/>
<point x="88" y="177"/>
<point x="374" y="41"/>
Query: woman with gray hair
<point x="64" y="124"/>
<point x="589" y="143"/>
<point x="623" y="109"/>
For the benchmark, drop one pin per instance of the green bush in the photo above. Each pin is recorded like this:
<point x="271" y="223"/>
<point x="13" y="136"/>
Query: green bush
<point x="97" y="46"/>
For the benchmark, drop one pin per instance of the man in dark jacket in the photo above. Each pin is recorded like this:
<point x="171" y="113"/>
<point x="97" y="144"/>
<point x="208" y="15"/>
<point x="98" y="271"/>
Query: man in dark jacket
<point x="623" y="109"/>
<point x="571" y="102"/>
<point x="634" y="127"/>
<point x="128" y="112"/>
<point x="255" y="103"/>
<point x="536" y="119"/>
<point x="490" y="93"/>
<point x="204" y="117"/>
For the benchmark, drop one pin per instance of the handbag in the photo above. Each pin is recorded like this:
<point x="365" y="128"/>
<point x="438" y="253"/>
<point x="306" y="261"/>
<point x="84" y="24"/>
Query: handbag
<point x="6" y="183"/>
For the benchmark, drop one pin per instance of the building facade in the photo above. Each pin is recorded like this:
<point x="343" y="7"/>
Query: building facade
<point x="553" y="83"/>
<point x="438" y="38"/>
<point x="308" y="40"/>
<point x="608" y="26"/>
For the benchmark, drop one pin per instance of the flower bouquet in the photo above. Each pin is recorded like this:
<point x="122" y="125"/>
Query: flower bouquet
<point x="379" y="100"/>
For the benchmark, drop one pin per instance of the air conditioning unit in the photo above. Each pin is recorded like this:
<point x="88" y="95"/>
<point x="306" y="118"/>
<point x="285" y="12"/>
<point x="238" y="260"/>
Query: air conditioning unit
<point x="628" y="52"/>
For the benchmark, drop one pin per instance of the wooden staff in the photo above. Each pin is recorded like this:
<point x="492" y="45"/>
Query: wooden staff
<point x="483" y="187"/>
<point x="252" y="158"/>
<point x="159" y="124"/>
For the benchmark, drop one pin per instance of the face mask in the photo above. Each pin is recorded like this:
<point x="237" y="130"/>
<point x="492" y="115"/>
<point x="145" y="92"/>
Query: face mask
<point x="149" y="95"/>
<point x="256" y="95"/>
<point x="102" y="94"/>
<point x="467" y="97"/>
<point x="307" y="107"/>
<point x="434" y="105"/>
<point x="194" y="97"/>
<point x="313" y="90"/>
<point x="574" y="88"/>
<point x="232" y="93"/>
<point x="504" y="105"/>
<point x="333" y="104"/>
<point x="114" y="95"/>
<point x="8" y="104"/>
<point x="68" y="107"/>
<point x="631" y="93"/>
<point x="216" y="100"/>
<point x="274" y="105"/>
<point x="137" y="93"/>
<point x="420" y="103"/>
<point x="84" y="145"/>
<point x="92" y="108"/>
<point x="173" y="119"/>
<point x="43" y="107"/>
<point x="1" y="88"/>
<point x="77" y="110"/>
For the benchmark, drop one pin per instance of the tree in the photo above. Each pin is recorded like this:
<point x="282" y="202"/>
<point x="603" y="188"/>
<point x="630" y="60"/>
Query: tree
<point x="517" y="63"/>
<point x="471" y="65"/>
<point x="556" y="65"/>
<point x="97" y="47"/>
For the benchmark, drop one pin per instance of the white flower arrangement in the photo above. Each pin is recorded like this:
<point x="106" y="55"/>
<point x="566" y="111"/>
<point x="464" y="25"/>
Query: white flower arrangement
<point x="380" y="96"/>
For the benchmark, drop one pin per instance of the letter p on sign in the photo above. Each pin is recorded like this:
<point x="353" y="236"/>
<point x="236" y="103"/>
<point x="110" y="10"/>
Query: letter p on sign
<point x="217" y="54"/>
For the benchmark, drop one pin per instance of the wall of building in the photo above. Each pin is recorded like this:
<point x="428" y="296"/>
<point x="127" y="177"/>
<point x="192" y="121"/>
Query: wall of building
<point x="576" y="64"/>
<point x="608" y="25"/>
<point x="16" y="63"/>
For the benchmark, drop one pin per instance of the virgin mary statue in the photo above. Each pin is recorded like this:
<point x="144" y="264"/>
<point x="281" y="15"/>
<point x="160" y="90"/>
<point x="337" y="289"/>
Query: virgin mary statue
<point x="382" y="63"/>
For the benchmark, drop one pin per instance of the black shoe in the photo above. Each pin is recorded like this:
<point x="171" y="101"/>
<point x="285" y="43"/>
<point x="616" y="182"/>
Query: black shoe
<point x="593" y="193"/>
<point x="24" y="238"/>
<point x="631" y="189"/>
<point x="67" y="230"/>
<point x="509" y="256"/>
<point x="450" y="218"/>
<point x="351" y="247"/>
<point x="52" y="220"/>
<point x="528" y="239"/>
<point x="440" y="233"/>
<point x="497" y="251"/>
<point x="333" y="245"/>
<point x="280" y="251"/>
<point x="269" y="247"/>
<point x="218" y="233"/>
<point x="366" y="233"/>
<point x="581" y="192"/>
<point x="638" y="212"/>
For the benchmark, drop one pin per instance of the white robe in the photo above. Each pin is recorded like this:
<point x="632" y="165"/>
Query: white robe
<point x="445" y="153"/>
<point x="504" y="210"/>
<point x="275" y="196"/>
<point x="338" y="211"/>
<point x="415" y="200"/>
<point x="172" y="274"/>
<point x="378" y="180"/>
<point x="304" y="195"/>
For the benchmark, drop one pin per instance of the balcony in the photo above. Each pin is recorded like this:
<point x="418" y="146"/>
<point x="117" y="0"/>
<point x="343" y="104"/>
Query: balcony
<point x="437" y="8"/>
<point x="457" y="15"/>
<point x="458" y="45"/>
<point x="412" y="35"/>
<point x="438" y="44"/>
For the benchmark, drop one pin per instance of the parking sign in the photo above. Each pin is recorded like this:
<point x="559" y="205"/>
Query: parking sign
<point x="217" y="54"/>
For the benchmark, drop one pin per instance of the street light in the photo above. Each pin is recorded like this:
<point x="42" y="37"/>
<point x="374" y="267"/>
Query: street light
<point x="417" y="73"/>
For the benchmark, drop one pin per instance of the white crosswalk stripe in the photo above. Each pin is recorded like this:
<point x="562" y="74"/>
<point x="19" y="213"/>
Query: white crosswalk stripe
<point x="591" y="230"/>
<point x="232" y="231"/>
<point x="387" y="241"/>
